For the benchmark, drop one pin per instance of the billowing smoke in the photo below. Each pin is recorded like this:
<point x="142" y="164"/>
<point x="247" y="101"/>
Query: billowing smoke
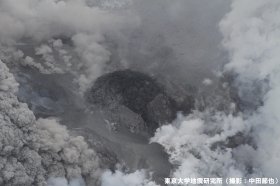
<point x="200" y="145"/>
<point x="34" y="150"/>
<point x="37" y="24"/>
<point x="251" y="32"/>
<point x="244" y="142"/>
<point x="52" y="37"/>
<point x="232" y="132"/>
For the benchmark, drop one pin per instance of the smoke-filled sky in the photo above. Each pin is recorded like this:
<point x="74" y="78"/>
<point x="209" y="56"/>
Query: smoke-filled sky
<point x="52" y="51"/>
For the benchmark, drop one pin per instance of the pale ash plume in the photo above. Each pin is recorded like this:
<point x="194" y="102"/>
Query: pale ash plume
<point x="251" y="35"/>
<point x="202" y="147"/>
<point x="30" y="23"/>
<point x="237" y="145"/>
<point x="44" y="19"/>
<point x="33" y="151"/>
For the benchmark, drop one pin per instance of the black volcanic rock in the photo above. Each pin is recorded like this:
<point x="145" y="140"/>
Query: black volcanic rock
<point x="142" y="95"/>
<point x="132" y="89"/>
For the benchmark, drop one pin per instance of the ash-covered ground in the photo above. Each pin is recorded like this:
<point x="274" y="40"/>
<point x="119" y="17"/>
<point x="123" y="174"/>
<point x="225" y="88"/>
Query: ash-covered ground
<point x="130" y="92"/>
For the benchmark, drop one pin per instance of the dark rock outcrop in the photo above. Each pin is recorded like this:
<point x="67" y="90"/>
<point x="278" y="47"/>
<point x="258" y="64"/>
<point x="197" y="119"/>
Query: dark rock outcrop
<point x="146" y="99"/>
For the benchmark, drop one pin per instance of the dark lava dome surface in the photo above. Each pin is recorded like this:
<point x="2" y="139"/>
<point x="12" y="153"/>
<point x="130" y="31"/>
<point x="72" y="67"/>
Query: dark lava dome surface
<point x="130" y="88"/>
<point x="138" y="92"/>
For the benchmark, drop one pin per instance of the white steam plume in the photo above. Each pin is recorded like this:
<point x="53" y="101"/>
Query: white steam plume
<point x="198" y="144"/>
<point x="237" y="145"/>
<point x="43" y="152"/>
<point x="252" y="32"/>
<point x="45" y="19"/>
<point x="36" y="24"/>
<point x="203" y="144"/>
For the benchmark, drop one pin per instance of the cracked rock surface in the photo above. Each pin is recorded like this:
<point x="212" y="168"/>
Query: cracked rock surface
<point x="138" y="97"/>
